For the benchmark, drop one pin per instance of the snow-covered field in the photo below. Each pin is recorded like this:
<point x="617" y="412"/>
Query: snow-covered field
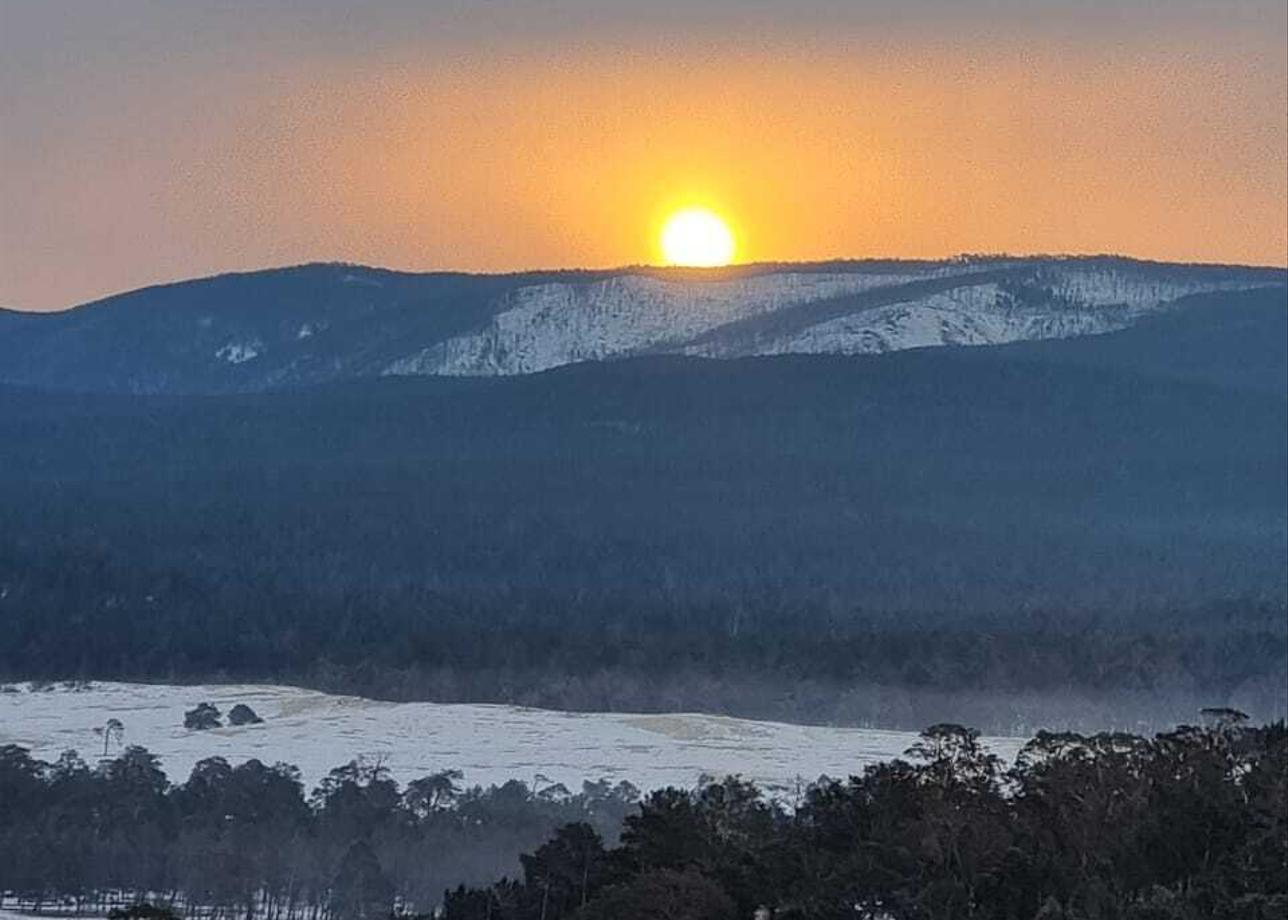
<point x="491" y="744"/>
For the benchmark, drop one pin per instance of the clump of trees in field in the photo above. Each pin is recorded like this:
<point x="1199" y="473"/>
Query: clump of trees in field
<point x="202" y="717"/>
<point x="1189" y="824"/>
<point x="205" y="716"/>
<point x="241" y="714"/>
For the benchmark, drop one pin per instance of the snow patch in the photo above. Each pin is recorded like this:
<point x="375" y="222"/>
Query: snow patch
<point x="240" y="352"/>
<point x="962" y="316"/>
<point x="1101" y="287"/>
<point x="976" y="315"/>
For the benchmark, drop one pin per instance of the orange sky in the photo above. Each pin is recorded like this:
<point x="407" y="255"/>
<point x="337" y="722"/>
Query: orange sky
<point x="510" y="157"/>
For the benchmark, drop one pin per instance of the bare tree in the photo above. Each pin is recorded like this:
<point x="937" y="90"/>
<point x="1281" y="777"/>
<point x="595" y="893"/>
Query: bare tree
<point x="112" y="731"/>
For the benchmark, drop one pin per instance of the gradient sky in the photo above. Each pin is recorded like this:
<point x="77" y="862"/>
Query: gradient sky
<point x="152" y="140"/>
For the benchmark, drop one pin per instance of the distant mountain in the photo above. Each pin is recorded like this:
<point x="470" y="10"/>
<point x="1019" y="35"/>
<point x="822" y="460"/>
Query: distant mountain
<point x="1074" y="469"/>
<point x="323" y="323"/>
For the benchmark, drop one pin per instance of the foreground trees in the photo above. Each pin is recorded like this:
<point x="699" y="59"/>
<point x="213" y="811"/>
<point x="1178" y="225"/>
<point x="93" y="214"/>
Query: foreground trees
<point x="1189" y="824"/>
<point x="245" y="841"/>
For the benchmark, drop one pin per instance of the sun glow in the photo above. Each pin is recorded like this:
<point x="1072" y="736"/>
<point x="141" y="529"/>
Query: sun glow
<point x="696" y="237"/>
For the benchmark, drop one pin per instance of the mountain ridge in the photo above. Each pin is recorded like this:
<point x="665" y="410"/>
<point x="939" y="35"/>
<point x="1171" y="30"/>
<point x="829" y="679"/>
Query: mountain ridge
<point x="643" y="268"/>
<point x="252" y="331"/>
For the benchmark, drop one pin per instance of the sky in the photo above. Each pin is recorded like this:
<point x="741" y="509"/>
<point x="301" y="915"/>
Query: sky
<point x="151" y="140"/>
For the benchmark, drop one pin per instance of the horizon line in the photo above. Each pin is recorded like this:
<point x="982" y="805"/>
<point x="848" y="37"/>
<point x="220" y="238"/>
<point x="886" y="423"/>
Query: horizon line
<point x="644" y="267"/>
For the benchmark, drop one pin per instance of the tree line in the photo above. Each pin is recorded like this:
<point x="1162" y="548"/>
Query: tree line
<point x="89" y="615"/>
<point x="1191" y="823"/>
<point x="249" y="841"/>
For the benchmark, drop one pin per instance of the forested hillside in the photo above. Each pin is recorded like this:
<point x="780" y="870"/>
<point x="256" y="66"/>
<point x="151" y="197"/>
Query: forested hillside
<point x="1071" y="531"/>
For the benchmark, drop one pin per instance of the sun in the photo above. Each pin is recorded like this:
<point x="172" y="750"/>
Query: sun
<point x="696" y="237"/>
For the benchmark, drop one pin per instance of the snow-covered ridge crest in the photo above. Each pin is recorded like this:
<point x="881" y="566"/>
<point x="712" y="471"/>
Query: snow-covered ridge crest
<point x="1058" y="303"/>
<point x="847" y="312"/>
<point x="548" y="325"/>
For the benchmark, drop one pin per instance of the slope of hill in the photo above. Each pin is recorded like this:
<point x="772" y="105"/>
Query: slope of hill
<point x="1230" y="339"/>
<point x="1051" y="515"/>
<point x="320" y="323"/>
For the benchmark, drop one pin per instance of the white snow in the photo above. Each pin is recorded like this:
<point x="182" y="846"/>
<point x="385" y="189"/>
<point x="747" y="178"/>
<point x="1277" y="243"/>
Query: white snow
<point x="490" y="743"/>
<point x="240" y="352"/>
<point x="1101" y="287"/>
<point x="962" y="316"/>
<point x="352" y="278"/>
<point x="548" y="325"/>
<point x="1087" y="302"/>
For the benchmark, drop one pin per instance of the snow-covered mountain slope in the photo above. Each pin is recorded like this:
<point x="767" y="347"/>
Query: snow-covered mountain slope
<point x="490" y="744"/>
<point x="549" y="325"/>
<point x="834" y="313"/>
<point x="321" y="323"/>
